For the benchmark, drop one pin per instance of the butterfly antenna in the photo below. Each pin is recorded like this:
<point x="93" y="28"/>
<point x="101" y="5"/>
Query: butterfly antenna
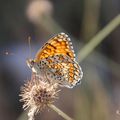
<point x="30" y="49"/>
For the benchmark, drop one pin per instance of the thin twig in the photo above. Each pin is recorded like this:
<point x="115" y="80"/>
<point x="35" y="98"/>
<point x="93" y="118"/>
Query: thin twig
<point x="65" y="116"/>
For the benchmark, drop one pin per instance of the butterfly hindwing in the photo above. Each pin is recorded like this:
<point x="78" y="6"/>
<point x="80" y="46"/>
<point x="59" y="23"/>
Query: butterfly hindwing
<point x="62" y="69"/>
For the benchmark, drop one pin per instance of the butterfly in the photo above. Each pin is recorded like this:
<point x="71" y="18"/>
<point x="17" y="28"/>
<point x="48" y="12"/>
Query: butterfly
<point x="55" y="62"/>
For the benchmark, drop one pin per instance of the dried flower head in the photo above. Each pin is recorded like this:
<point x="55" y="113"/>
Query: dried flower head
<point x="37" y="8"/>
<point x="36" y="95"/>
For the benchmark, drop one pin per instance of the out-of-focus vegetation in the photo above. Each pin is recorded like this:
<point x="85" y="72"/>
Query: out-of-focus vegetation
<point x="97" y="98"/>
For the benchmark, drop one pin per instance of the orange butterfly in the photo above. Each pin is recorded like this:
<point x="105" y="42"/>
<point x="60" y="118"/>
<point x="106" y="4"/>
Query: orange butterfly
<point x="55" y="62"/>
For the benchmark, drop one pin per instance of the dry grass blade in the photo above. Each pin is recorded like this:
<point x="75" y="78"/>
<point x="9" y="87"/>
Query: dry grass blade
<point x="97" y="39"/>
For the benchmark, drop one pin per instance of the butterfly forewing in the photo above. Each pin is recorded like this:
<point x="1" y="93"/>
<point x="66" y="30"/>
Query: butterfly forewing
<point x="59" y="44"/>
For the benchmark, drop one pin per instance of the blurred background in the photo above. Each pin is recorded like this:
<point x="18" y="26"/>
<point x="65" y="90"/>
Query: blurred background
<point x="98" y="97"/>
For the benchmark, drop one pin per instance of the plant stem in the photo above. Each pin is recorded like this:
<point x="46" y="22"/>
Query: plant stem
<point x="66" y="117"/>
<point x="97" y="39"/>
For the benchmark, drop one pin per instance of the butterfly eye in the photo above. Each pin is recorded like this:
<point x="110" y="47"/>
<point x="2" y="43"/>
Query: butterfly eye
<point x="32" y="62"/>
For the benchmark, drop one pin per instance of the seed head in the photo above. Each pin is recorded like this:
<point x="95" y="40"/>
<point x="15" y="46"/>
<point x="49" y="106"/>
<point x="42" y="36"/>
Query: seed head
<point x="36" y="95"/>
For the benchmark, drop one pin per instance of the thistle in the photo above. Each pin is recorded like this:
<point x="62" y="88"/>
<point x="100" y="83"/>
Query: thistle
<point x="37" y="95"/>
